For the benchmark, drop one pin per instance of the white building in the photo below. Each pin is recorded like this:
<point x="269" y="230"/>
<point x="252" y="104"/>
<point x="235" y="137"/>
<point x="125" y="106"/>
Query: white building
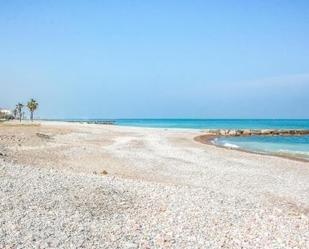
<point x="6" y="112"/>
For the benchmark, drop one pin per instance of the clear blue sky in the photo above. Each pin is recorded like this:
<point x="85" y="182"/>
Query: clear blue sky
<point x="156" y="59"/>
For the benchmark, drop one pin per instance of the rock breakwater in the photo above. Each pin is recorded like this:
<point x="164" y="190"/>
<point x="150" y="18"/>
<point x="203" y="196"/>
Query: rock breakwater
<point x="257" y="132"/>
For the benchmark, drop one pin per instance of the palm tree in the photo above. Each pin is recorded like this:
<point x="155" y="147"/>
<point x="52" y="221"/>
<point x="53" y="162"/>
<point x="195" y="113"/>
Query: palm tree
<point x="32" y="106"/>
<point x="15" y="113"/>
<point x="19" y="108"/>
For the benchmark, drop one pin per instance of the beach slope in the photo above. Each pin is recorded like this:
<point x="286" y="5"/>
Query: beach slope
<point x="68" y="185"/>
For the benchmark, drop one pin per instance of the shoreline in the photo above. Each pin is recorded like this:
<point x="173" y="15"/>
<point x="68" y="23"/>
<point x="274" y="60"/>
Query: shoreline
<point x="207" y="139"/>
<point x="131" y="187"/>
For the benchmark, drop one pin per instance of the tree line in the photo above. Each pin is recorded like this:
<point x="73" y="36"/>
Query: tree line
<point x="32" y="105"/>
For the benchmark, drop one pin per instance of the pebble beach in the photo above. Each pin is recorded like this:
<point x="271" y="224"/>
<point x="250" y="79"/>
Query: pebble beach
<point x="70" y="185"/>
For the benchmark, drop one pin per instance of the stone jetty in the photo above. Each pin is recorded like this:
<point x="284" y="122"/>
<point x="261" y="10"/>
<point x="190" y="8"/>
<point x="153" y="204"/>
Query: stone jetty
<point x="257" y="132"/>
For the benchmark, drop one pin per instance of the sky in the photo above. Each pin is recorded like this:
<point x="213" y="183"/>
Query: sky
<point x="156" y="59"/>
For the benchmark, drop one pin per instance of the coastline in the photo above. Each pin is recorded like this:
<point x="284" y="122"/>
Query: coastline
<point x="207" y="136"/>
<point x="130" y="187"/>
<point x="207" y="139"/>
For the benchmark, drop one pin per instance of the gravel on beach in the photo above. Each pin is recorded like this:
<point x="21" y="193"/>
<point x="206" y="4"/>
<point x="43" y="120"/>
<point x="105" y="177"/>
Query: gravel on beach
<point x="93" y="186"/>
<point x="46" y="208"/>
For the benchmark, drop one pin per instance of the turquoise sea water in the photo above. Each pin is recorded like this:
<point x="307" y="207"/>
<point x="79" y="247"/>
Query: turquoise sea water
<point x="297" y="146"/>
<point x="293" y="145"/>
<point x="218" y="123"/>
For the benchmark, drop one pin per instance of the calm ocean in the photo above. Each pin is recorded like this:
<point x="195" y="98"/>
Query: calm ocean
<point x="218" y="123"/>
<point x="296" y="146"/>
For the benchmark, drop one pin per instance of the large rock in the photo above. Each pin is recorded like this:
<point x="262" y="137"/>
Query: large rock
<point x="223" y="132"/>
<point x="246" y="132"/>
<point x="232" y="133"/>
<point x="266" y="132"/>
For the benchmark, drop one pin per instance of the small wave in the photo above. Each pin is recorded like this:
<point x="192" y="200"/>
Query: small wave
<point x="214" y="141"/>
<point x="223" y="143"/>
<point x="230" y="145"/>
<point x="305" y="153"/>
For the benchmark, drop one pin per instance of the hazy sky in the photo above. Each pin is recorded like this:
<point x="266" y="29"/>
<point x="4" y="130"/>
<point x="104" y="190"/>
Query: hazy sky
<point x="156" y="59"/>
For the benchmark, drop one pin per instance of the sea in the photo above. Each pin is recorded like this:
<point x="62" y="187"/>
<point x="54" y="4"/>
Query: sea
<point x="295" y="146"/>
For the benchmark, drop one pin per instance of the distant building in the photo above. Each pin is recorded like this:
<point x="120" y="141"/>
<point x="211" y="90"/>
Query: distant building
<point x="6" y="111"/>
<point x="6" y="114"/>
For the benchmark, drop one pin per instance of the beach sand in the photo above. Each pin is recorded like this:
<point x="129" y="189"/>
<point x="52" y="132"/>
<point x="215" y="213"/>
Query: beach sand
<point x="68" y="185"/>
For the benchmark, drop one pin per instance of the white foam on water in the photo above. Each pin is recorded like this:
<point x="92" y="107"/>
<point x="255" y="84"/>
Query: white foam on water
<point x="223" y="143"/>
<point x="214" y="141"/>
<point x="295" y="152"/>
<point x="293" y="147"/>
<point x="229" y="145"/>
